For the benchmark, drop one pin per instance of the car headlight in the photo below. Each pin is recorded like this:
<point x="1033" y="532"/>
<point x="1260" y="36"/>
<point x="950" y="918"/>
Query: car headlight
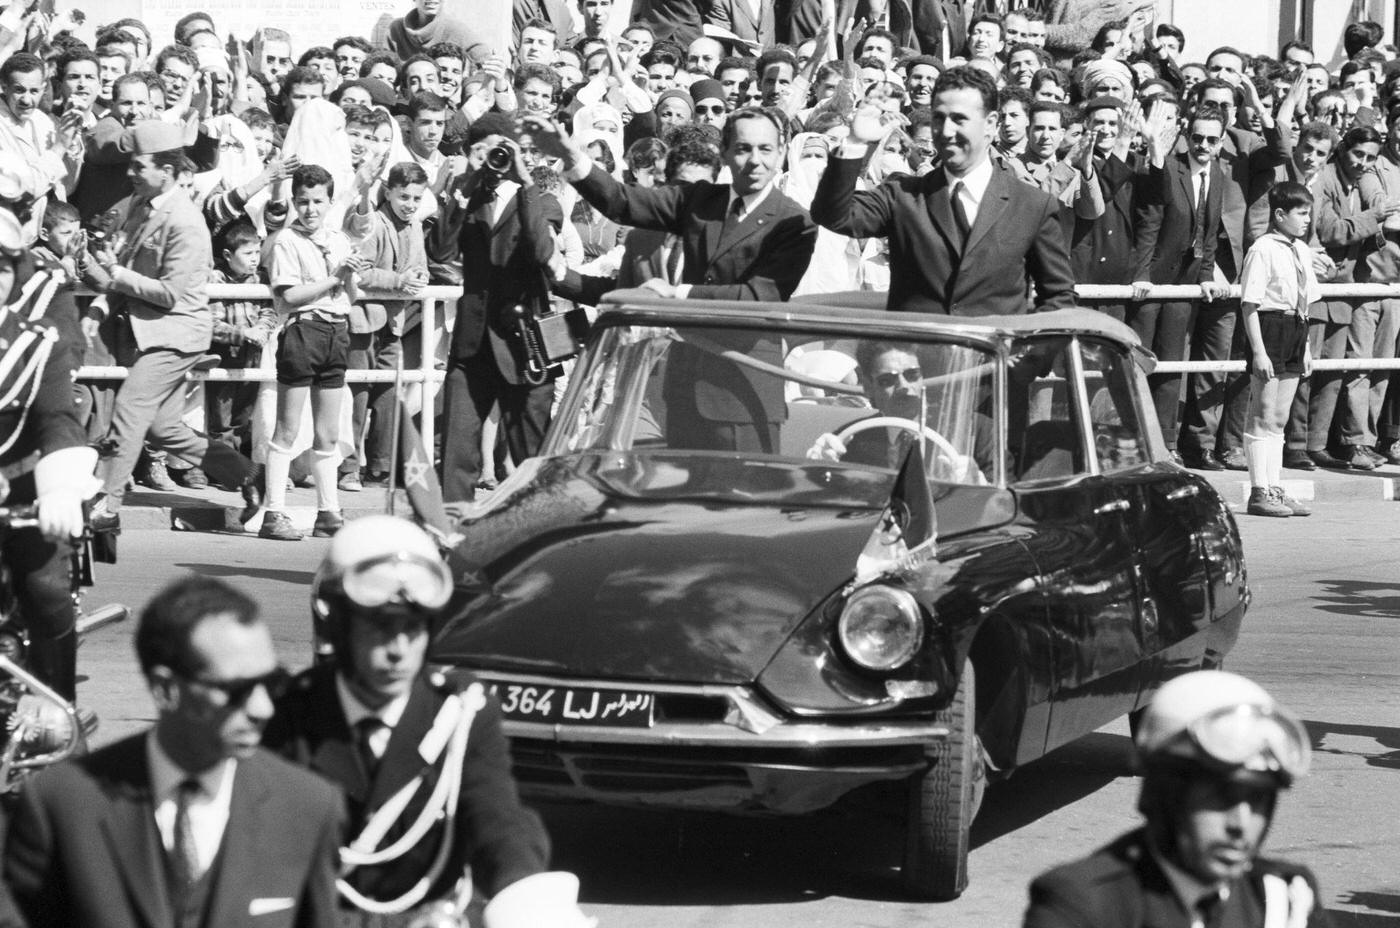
<point x="881" y="627"/>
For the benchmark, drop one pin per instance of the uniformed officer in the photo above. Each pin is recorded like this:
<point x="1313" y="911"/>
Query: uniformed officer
<point x="1215" y="751"/>
<point x="44" y="457"/>
<point x="420" y="753"/>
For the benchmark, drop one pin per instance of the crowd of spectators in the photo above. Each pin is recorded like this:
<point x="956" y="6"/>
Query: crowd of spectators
<point x="1098" y="106"/>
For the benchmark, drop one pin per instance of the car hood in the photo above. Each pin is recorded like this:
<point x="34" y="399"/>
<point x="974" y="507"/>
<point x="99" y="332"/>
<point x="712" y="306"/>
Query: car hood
<point x="569" y="577"/>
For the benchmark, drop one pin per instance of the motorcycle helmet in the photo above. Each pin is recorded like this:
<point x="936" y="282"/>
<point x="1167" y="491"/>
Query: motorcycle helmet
<point x="376" y="565"/>
<point x="1223" y="724"/>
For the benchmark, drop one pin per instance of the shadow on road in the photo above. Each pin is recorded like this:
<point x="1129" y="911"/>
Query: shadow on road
<point x="1380" y="902"/>
<point x="1360" y="598"/>
<point x="298" y="577"/>
<point x="1340" y="919"/>
<point x="1062" y="777"/>
<point x="1385" y="737"/>
<point x="641" y="857"/>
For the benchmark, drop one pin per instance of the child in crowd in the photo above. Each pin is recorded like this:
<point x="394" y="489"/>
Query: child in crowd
<point x="241" y="329"/>
<point x="1276" y="287"/>
<point x="314" y="274"/>
<point x="390" y="238"/>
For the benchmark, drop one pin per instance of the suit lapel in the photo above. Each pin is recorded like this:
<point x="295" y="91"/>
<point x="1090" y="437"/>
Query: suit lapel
<point x="744" y="10"/>
<point x="401" y="761"/>
<point x="152" y="223"/>
<point x="335" y="756"/>
<point x="248" y="824"/>
<point x="1187" y="191"/>
<point x="940" y="209"/>
<point x="760" y="220"/>
<point x="994" y="201"/>
<point x="507" y="211"/>
<point x="711" y="213"/>
<point x="129" y="827"/>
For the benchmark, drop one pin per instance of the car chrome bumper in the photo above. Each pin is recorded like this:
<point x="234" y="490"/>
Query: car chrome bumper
<point x="742" y="721"/>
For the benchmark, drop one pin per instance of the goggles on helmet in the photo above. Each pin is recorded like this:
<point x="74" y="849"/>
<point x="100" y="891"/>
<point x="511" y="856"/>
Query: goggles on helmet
<point x="1257" y="739"/>
<point x="402" y="577"/>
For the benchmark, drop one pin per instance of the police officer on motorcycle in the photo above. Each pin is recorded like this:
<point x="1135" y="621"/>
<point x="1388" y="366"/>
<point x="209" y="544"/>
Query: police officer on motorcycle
<point x="434" y="810"/>
<point x="44" y="457"/>
<point x="1215" y="751"/>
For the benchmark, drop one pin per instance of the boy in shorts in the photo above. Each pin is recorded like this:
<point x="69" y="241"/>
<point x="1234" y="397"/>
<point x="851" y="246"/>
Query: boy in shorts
<point x="1276" y="286"/>
<point x="314" y="276"/>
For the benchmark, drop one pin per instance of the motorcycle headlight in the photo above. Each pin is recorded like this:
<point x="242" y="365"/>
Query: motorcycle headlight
<point x="881" y="628"/>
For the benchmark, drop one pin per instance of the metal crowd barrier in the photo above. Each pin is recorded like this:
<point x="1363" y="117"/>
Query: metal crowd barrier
<point x="429" y="298"/>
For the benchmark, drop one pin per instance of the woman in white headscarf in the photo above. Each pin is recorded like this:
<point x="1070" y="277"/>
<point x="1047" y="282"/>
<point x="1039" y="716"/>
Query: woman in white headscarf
<point x="317" y="136"/>
<point x="601" y="122"/>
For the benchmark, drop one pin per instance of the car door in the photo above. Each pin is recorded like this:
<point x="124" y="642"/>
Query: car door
<point x="1168" y="509"/>
<point x="1081" y="539"/>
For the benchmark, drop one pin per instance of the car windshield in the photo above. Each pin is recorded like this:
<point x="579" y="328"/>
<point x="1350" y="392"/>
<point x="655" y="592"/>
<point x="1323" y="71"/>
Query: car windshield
<point x="793" y="410"/>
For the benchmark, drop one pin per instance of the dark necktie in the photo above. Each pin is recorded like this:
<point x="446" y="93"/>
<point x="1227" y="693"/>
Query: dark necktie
<point x="365" y="730"/>
<point x="960" y="214"/>
<point x="673" y="259"/>
<point x="1198" y="244"/>
<point x="735" y="210"/>
<point x="1208" y="909"/>
<point x="184" y="857"/>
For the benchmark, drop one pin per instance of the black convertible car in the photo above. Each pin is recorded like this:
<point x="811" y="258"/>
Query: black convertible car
<point x="773" y="553"/>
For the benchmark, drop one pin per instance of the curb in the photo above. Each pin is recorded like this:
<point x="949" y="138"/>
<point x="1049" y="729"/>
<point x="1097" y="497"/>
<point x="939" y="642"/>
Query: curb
<point x="218" y="510"/>
<point x="1383" y="483"/>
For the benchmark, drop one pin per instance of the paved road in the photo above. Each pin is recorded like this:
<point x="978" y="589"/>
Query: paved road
<point x="1324" y="636"/>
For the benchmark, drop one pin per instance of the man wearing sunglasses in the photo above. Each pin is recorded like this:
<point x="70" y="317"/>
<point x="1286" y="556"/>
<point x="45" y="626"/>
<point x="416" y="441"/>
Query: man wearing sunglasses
<point x="376" y="722"/>
<point x="1214" y="750"/>
<point x="190" y="823"/>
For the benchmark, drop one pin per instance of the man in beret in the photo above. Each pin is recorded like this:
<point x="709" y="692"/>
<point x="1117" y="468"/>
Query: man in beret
<point x="159" y="265"/>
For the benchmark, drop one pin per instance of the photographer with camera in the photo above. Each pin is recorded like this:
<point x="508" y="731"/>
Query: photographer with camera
<point x="491" y="217"/>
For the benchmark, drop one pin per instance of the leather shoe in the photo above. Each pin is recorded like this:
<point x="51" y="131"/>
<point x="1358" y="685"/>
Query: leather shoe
<point x="350" y="483"/>
<point x="278" y="527"/>
<point x="1201" y="462"/>
<point x="1357" y="459"/>
<point x="1390" y="451"/>
<point x="253" y="494"/>
<point x="1176" y="458"/>
<point x="1374" y="456"/>
<point x="328" y="522"/>
<point x="1294" y="459"/>
<point x="1233" y="459"/>
<point x="191" y="478"/>
<point x="1323" y="459"/>
<point x="155" y="476"/>
<point x="100" y="519"/>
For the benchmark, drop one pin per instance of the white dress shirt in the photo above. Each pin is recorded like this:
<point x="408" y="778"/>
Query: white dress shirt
<point x="209" y="809"/>
<point x="505" y="189"/>
<point x="355" y="711"/>
<point x="974" y="188"/>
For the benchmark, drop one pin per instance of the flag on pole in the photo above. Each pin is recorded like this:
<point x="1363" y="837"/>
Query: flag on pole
<point x="420" y="480"/>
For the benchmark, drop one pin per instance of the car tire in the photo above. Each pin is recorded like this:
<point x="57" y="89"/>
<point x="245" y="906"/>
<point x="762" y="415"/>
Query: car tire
<point x="943" y="800"/>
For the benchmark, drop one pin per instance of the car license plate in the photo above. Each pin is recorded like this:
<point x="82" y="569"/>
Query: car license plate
<point x="574" y="705"/>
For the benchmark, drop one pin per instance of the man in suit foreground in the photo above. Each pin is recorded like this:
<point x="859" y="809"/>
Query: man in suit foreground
<point x="1215" y="751"/>
<point x="366" y="719"/>
<point x="742" y="241"/>
<point x="159" y="274"/>
<point x="191" y="823"/>
<point x="963" y="239"/>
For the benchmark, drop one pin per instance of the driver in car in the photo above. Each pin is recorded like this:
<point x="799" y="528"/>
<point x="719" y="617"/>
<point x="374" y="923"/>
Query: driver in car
<point x="891" y="375"/>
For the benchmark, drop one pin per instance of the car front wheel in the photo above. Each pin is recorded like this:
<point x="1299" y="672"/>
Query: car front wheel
<point x="943" y="800"/>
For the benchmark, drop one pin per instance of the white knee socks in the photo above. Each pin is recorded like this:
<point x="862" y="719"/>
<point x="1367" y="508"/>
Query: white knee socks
<point x="279" y="466"/>
<point x="1256" y="453"/>
<point x="323" y="467"/>
<point x="1275" y="440"/>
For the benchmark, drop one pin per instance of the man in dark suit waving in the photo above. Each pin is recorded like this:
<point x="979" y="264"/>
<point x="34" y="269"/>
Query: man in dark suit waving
<point x="744" y="241"/>
<point x="1215" y="751"/>
<point x="962" y="239"/>
<point x="190" y="824"/>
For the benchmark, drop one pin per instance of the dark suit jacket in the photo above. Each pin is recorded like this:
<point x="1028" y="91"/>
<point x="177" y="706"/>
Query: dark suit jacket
<point x="677" y="20"/>
<point x="1165" y="217"/>
<point x="761" y="258"/>
<point x="1121" y="886"/>
<point x="1247" y="163"/>
<point x="737" y="16"/>
<point x="1017" y="232"/>
<point x="502" y="267"/>
<point x="83" y="848"/>
<point x="499" y="838"/>
<point x="1101" y="250"/>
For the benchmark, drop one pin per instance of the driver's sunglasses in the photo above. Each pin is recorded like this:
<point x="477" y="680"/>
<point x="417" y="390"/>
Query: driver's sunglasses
<point x="238" y="692"/>
<point x="1204" y="139"/>
<point x="891" y="380"/>
<point x="715" y="110"/>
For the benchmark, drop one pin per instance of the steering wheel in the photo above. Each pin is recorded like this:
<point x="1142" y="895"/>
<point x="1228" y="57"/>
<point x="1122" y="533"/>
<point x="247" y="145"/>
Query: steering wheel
<point x="956" y="464"/>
